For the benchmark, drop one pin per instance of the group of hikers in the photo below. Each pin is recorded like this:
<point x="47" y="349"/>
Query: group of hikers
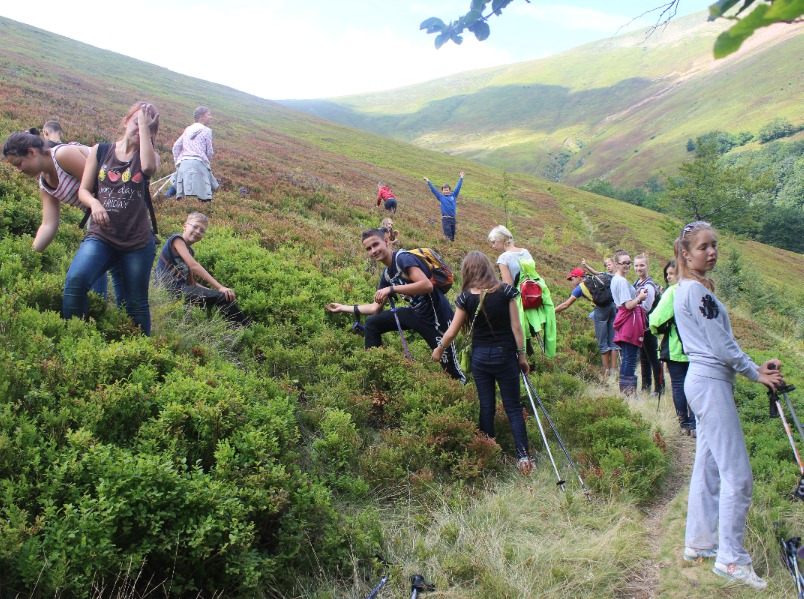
<point x="698" y="347"/>
<point x="447" y="199"/>
<point x="110" y="181"/>
<point x="503" y="310"/>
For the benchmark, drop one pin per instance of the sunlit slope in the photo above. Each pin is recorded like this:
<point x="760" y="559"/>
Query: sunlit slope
<point x="312" y="183"/>
<point x="620" y="108"/>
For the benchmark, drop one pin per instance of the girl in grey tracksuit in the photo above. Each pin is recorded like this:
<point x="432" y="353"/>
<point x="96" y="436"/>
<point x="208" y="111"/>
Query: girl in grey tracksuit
<point x="721" y="483"/>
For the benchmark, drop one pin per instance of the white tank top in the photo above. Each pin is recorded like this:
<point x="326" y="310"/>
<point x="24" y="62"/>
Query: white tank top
<point x="67" y="190"/>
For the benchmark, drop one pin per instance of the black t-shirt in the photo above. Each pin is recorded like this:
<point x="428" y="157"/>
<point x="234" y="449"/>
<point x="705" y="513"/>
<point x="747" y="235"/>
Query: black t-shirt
<point x="432" y="307"/>
<point x="492" y="326"/>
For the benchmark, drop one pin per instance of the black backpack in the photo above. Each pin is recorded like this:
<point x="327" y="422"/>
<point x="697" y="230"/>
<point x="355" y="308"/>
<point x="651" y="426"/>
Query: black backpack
<point x="598" y="289"/>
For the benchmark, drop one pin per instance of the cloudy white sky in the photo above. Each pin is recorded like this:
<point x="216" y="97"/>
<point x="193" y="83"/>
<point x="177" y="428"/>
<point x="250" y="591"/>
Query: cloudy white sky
<point x="281" y="49"/>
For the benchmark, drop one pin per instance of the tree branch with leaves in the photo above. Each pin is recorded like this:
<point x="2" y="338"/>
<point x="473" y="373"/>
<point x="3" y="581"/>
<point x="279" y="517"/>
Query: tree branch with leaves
<point x="764" y="13"/>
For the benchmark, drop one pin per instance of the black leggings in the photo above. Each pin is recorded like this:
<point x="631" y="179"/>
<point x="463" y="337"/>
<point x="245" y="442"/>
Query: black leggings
<point x="385" y="322"/>
<point x="210" y="298"/>
<point x="650" y="364"/>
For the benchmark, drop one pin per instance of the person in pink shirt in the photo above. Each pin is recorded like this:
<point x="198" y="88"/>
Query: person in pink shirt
<point x="192" y="153"/>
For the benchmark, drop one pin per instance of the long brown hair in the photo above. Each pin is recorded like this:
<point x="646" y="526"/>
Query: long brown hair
<point x="477" y="271"/>
<point x="685" y="243"/>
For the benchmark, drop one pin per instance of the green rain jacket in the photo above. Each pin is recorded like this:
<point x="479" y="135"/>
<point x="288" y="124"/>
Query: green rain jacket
<point x="539" y="320"/>
<point x="662" y="321"/>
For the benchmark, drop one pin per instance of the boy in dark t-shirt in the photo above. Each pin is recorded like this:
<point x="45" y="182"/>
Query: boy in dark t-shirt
<point x="429" y="313"/>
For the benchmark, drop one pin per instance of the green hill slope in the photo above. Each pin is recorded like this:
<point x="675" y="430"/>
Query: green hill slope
<point x="621" y="108"/>
<point x="275" y="461"/>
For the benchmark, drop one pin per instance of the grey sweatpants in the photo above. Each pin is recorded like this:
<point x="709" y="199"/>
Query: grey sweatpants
<point x="722" y="482"/>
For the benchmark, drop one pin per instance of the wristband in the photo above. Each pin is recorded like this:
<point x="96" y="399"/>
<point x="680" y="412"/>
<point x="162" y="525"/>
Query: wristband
<point x="441" y="345"/>
<point x="357" y="311"/>
<point x="392" y="289"/>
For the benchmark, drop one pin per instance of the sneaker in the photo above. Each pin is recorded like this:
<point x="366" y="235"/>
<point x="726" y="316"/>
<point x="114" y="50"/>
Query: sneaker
<point x="693" y="555"/>
<point x="742" y="573"/>
<point x="525" y="465"/>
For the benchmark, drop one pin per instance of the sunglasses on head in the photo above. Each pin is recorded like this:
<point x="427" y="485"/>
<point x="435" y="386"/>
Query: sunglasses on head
<point x="692" y="226"/>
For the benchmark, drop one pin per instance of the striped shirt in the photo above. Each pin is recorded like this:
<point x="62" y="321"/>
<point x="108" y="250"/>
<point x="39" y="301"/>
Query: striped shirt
<point x="67" y="189"/>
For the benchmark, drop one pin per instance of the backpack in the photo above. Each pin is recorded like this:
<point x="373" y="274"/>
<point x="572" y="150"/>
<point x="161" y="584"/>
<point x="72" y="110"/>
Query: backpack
<point x="529" y="288"/>
<point x="657" y="293"/>
<point x="440" y="274"/>
<point x="597" y="288"/>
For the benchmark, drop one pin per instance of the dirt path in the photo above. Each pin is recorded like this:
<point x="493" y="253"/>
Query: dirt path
<point x="642" y="582"/>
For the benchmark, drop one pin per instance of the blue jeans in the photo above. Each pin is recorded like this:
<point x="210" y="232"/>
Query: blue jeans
<point x="603" y="318"/>
<point x="629" y="355"/>
<point x="498" y="365"/>
<point x="101" y="285"/>
<point x="678" y="373"/>
<point x="93" y="258"/>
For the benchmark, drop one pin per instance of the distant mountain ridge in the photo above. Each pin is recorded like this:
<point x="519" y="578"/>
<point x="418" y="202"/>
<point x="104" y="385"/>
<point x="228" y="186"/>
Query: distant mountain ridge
<point x="620" y="108"/>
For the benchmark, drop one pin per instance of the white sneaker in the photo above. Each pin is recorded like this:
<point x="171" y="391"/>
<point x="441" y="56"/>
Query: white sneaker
<point x="693" y="555"/>
<point x="742" y="573"/>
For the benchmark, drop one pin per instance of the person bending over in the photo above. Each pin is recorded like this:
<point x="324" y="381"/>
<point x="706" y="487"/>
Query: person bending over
<point x="177" y="270"/>
<point x="429" y="313"/>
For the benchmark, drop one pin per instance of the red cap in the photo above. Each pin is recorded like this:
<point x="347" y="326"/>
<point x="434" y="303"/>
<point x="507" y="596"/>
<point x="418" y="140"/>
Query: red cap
<point x="576" y="272"/>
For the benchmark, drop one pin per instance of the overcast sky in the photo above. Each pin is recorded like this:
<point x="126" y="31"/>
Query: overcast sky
<point x="281" y="49"/>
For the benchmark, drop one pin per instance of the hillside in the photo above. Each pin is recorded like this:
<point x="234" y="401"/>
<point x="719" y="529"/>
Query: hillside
<point x="620" y="108"/>
<point x="276" y="461"/>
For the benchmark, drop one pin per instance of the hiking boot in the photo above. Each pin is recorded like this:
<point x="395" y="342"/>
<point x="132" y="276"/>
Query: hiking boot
<point x="742" y="573"/>
<point x="525" y="466"/>
<point x="693" y="555"/>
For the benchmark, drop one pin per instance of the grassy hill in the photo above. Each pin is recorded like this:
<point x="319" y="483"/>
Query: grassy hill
<point x="620" y="108"/>
<point x="275" y="461"/>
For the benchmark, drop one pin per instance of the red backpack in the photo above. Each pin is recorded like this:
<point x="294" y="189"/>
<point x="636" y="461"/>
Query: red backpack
<point x="531" y="293"/>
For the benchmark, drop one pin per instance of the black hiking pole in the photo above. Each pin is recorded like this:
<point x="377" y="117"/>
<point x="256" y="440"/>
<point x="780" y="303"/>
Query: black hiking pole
<point x="530" y="387"/>
<point x="790" y="551"/>
<point x="383" y="580"/>
<point x="399" y="326"/>
<point x="419" y="585"/>
<point x="561" y="481"/>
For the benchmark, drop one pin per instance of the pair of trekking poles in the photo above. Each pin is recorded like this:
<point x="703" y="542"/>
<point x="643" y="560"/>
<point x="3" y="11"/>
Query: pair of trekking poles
<point x="561" y="482"/>
<point x="417" y="583"/>
<point x="776" y="411"/>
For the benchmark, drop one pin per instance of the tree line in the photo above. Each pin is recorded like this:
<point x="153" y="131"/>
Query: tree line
<point x="758" y="194"/>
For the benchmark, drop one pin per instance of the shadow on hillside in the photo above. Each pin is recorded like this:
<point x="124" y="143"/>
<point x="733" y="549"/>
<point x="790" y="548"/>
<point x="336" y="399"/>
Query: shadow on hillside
<point x="538" y="107"/>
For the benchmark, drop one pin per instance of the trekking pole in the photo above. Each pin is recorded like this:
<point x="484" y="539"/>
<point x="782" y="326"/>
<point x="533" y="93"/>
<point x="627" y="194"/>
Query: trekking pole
<point x="790" y="550"/>
<point x="777" y="410"/>
<point x="529" y="385"/>
<point x="399" y="326"/>
<point x="162" y="179"/>
<point x="383" y="580"/>
<point x="419" y="585"/>
<point x="561" y="481"/>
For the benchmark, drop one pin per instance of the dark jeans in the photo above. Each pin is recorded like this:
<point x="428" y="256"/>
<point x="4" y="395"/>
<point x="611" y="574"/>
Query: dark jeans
<point x="390" y="205"/>
<point x="678" y="372"/>
<point x="448" y="226"/>
<point x="384" y="322"/>
<point x="650" y="363"/>
<point x="93" y="258"/>
<point x="628" y="361"/>
<point x="210" y="298"/>
<point x="498" y="365"/>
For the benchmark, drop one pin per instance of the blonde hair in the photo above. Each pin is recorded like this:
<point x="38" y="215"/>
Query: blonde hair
<point x="642" y="256"/>
<point x="500" y="233"/>
<point x="199" y="217"/>
<point x="683" y="244"/>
